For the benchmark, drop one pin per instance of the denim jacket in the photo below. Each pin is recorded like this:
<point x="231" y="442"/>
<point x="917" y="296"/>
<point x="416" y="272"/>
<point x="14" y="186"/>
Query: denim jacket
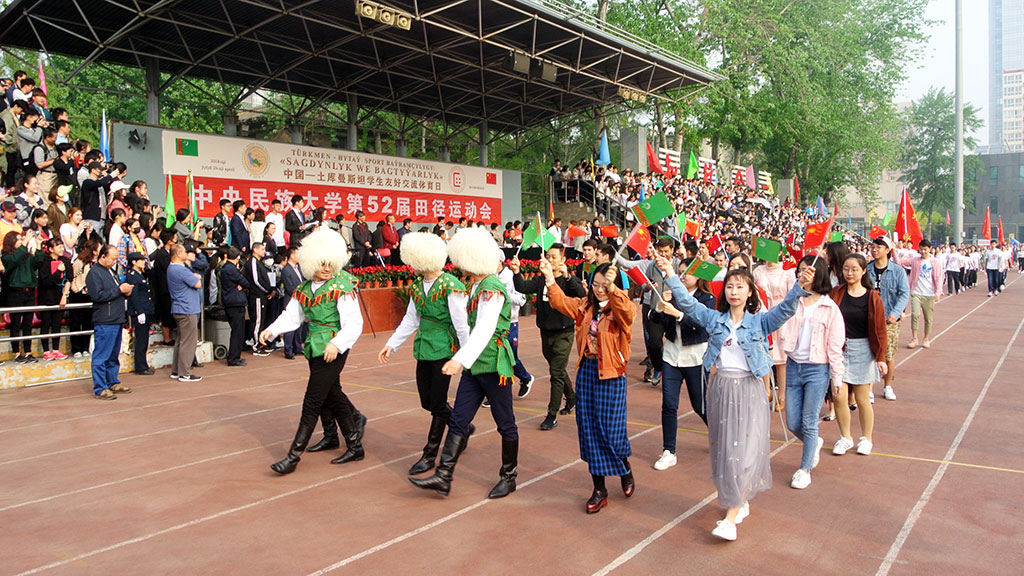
<point x="895" y="288"/>
<point x="752" y="332"/>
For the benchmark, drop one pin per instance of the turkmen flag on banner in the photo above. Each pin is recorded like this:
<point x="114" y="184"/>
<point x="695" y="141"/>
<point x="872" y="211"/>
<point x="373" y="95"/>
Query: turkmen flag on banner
<point x="703" y="270"/>
<point x="767" y="250"/>
<point x="186" y="147"/>
<point x="654" y="209"/>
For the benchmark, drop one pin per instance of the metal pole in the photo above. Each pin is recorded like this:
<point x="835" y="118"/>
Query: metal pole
<point x="958" y="194"/>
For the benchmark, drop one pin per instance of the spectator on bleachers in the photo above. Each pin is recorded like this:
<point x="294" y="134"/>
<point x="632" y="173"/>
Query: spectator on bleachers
<point x="21" y="258"/>
<point x="140" y="310"/>
<point x="55" y="277"/>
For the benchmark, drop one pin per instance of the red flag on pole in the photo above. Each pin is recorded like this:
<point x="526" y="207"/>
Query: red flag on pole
<point x="653" y="166"/>
<point x="610" y="231"/>
<point x="986" y="232"/>
<point x="574" y="231"/>
<point x="906" y="222"/>
<point x="637" y="276"/>
<point x="639" y="240"/>
<point x="835" y="213"/>
<point x="796" y="191"/>
<point x="714" y="244"/>
<point x="1001" y="239"/>
<point x="876" y="233"/>
<point x="816" y="235"/>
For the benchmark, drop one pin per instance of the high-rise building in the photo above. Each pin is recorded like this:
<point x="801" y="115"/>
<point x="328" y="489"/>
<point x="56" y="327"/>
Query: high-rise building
<point x="1006" y="75"/>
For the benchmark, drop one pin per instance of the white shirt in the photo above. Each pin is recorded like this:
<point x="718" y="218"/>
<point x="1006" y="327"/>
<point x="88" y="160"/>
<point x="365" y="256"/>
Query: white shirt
<point x="925" y="287"/>
<point x="278" y="220"/>
<point x="802" y="352"/>
<point x="684" y="356"/>
<point x="731" y="356"/>
<point x="351" y="320"/>
<point x="557" y="233"/>
<point x="993" y="258"/>
<point x="954" y="262"/>
<point x="411" y="320"/>
<point x="487" y="314"/>
<point x="517" y="299"/>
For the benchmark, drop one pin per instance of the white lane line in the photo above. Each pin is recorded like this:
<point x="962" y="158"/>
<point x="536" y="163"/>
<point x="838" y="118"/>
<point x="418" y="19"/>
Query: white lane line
<point x="639" y="547"/>
<point x="170" y="469"/>
<point x="223" y="513"/>
<point x="457" y="513"/>
<point x="915" y="512"/>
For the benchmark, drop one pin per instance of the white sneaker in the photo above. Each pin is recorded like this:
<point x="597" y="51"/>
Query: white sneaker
<point x="842" y="445"/>
<point x="743" y="513"/>
<point x="725" y="530"/>
<point x="801" y="479"/>
<point x="817" y="453"/>
<point x="666" y="461"/>
<point x="871" y="397"/>
<point x="864" y="446"/>
<point x="889" y="393"/>
<point x="77" y="354"/>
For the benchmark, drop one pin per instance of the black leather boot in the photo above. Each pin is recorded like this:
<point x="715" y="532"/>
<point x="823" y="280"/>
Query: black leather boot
<point x="330" y="440"/>
<point x="441" y="481"/>
<point x="353" y="433"/>
<point x="287" y="466"/>
<point x="434" y="438"/>
<point x="470" y="430"/>
<point x="509" y="469"/>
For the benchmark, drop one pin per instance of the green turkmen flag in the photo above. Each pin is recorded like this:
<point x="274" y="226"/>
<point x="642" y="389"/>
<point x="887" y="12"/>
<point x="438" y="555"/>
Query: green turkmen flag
<point x="836" y="237"/>
<point x="537" y="234"/>
<point x="691" y="170"/>
<point x="654" y="209"/>
<point x="186" y="147"/>
<point x="885" y="219"/>
<point x="169" y="204"/>
<point x="681" y="223"/>
<point x="530" y="234"/>
<point x="767" y="250"/>
<point x="703" y="270"/>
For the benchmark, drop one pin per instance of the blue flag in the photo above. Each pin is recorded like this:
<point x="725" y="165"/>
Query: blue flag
<point x="604" y="156"/>
<point x="643" y="191"/>
<point x="104" y="141"/>
<point x="822" y="210"/>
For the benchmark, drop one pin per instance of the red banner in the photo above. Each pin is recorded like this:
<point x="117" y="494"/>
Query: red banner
<point x="422" y="207"/>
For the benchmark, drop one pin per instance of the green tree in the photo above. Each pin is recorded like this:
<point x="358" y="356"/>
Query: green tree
<point x="928" y="159"/>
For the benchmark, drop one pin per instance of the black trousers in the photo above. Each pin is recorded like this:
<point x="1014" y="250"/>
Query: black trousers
<point x="140" y="343"/>
<point x="12" y="170"/>
<point x="952" y="281"/>
<point x="79" y="319"/>
<point x="323" y="392"/>
<point x="471" y="393"/>
<point x="21" y="322"/>
<point x="655" y="338"/>
<point x="236" y="321"/>
<point x="258" y="320"/>
<point x="432" y="386"/>
<point x="49" y="323"/>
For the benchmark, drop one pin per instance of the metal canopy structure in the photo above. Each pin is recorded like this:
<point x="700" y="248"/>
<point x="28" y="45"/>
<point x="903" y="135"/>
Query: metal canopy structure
<point x="451" y="66"/>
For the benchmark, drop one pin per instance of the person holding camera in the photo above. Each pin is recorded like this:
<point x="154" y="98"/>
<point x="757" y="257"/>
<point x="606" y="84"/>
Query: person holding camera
<point x="94" y="192"/>
<point x="109" y="309"/>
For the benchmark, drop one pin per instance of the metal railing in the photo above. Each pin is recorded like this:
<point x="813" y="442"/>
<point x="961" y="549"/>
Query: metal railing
<point x="34" y="309"/>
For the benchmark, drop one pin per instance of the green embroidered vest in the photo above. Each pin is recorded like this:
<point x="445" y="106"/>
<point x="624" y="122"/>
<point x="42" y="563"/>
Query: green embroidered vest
<point x="435" y="338"/>
<point x="321" y="310"/>
<point x="497" y="356"/>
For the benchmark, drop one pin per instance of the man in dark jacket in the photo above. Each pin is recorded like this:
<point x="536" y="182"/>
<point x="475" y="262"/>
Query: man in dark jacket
<point x="292" y="278"/>
<point x="109" y="297"/>
<point x="239" y="234"/>
<point x="140" y="310"/>
<point x="161" y="258"/>
<point x="220" y="232"/>
<point x="234" y="298"/>
<point x="556" y="329"/>
<point x="94" y="192"/>
<point x="296" y="223"/>
<point x="260" y="291"/>
<point x="362" y="241"/>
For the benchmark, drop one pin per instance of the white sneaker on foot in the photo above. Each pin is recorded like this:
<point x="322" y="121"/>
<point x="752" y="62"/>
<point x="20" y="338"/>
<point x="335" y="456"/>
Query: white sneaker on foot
<point x="801" y="479"/>
<point x="817" y="453"/>
<point x="666" y="461"/>
<point x="842" y="445"/>
<point x="889" y="393"/>
<point x="864" y="446"/>
<point x="725" y="530"/>
<point x="743" y="513"/>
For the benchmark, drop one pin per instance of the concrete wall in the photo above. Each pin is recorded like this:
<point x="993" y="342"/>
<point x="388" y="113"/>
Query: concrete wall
<point x="511" y="196"/>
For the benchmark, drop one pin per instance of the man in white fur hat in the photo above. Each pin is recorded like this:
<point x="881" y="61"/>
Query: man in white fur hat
<point x="437" y="315"/>
<point x="327" y="300"/>
<point x="485" y="361"/>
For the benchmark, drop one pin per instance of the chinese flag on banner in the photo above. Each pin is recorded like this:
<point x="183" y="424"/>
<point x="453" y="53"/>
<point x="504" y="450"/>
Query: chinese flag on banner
<point x="714" y="244"/>
<point x="906" y="221"/>
<point x="639" y="240"/>
<point x="816" y="234"/>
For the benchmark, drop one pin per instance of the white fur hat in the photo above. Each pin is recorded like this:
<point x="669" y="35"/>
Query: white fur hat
<point x="423" y="251"/>
<point x="325" y="246"/>
<point x="473" y="250"/>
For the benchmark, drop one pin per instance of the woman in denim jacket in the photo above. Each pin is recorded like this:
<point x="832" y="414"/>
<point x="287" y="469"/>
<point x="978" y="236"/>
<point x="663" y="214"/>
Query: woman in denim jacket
<point x="737" y="399"/>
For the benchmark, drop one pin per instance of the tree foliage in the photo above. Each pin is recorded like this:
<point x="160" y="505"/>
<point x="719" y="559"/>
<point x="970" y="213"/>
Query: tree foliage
<point x="928" y="159"/>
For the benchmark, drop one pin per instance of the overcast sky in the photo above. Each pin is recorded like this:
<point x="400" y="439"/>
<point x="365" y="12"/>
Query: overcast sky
<point x="937" y="65"/>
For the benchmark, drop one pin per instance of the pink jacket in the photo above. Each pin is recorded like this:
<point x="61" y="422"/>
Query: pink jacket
<point x="914" y="261"/>
<point x="828" y="335"/>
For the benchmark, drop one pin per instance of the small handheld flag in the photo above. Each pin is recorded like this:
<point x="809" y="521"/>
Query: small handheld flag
<point x="767" y="249"/>
<point x="703" y="270"/>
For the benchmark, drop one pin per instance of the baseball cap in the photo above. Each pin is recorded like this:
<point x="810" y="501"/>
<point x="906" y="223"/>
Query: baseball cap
<point x="885" y="241"/>
<point x="64" y="192"/>
<point x="118" y="185"/>
<point x="8" y="207"/>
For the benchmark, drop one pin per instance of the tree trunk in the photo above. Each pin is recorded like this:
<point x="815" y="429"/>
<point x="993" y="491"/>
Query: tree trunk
<point x="715" y="142"/>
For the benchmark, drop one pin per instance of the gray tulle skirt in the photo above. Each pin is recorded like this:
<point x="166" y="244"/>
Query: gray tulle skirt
<point x="738" y="436"/>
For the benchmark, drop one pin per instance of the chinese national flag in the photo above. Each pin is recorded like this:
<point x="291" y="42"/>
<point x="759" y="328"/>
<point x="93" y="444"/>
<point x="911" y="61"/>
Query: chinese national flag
<point x="574" y="231"/>
<point x="492" y="178"/>
<point x="876" y="233"/>
<point x="714" y="244"/>
<point x="637" y="276"/>
<point x="986" y="232"/>
<point x="906" y="222"/>
<point x="816" y="234"/>
<point x="639" y="240"/>
<point x="1001" y="239"/>
<point x="653" y="166"/>
<point x="610" y="231"/>
<point x="693" y="229"/>
<point x="796" y="190"/>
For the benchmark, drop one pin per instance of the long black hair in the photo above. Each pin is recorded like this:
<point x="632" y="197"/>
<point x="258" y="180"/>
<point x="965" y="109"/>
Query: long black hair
<point x="753" y="299"/>
<point x="865" y="279"/>
<point x="601" y="270"/>
<point x="821" y="284"/>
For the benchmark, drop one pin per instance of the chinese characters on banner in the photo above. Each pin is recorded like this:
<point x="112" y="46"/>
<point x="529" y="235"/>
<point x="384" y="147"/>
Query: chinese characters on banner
<point x="340" y="181"/>
<point x="419" y="206"/>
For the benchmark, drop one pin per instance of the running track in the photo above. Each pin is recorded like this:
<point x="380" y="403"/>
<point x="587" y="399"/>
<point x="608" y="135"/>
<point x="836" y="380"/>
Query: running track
<point x="174" y="478"/>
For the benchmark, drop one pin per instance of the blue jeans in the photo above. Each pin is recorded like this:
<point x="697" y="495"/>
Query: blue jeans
<point x="105" y="364"/>
<point x="671" y="383"/>
<point x="994" y="280"/>
<point x="519" y="370"/>
<point x="806" y="385"/>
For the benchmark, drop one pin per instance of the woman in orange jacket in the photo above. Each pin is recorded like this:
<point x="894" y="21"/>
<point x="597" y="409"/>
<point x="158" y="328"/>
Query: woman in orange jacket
<point x="604" y="327"/>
